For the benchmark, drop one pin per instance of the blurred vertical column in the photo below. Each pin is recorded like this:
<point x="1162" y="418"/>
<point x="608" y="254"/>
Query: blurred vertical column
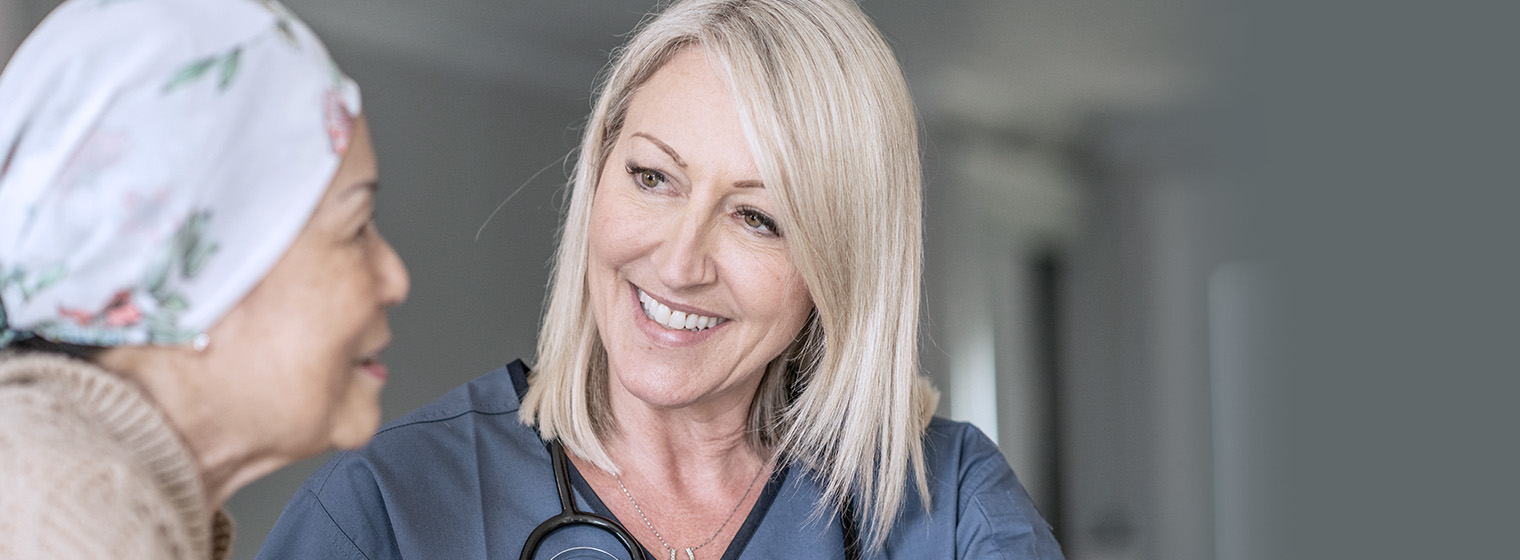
<point x="1134" y="397"/>
<point x="1238" y="334"/>
<point x="998" y="208"/>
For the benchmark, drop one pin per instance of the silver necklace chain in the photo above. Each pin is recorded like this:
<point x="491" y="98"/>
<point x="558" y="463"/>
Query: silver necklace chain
<point x="691" y="551"/>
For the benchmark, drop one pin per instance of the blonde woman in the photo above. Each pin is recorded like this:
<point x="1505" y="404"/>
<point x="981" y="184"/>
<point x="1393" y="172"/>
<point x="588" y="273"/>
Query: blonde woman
<point x="728" y="364"/>
<point x="192" y="289"/>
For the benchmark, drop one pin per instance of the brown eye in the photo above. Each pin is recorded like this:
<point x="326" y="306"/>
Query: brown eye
<point x="646" y="178"/>
<point x="649" y="179"/>
<point x="757" y="221"/>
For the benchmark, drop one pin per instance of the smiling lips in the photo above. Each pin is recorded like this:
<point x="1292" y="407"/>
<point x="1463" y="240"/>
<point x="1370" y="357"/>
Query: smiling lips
<point x="374" y="367"/>
<point x="676" y="320"/>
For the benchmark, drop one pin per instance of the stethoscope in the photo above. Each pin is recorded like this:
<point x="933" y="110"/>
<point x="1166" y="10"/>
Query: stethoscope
<point x="569" y="516"/>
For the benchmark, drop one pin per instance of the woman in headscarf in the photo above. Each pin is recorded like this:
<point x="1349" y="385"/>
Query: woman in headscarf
<point x="192" y="289"/>
<point x="727" y="365"/>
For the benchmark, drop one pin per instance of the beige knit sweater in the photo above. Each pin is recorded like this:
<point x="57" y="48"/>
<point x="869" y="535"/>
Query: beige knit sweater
<point x="89" y="468"/>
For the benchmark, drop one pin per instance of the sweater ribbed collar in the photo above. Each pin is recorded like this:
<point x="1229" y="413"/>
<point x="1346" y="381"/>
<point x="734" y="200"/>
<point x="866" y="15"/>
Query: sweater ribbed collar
<point x="119" y="408"/>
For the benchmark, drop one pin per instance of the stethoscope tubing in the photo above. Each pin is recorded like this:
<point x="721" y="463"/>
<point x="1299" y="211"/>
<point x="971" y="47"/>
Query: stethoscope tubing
<point x="569" y="516"/>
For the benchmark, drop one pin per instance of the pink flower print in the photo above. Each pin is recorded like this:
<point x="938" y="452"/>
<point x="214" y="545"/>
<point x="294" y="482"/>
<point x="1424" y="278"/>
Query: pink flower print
<point x="99" y="151"/>
<point x="340" y="123"/>
<point x="81" y="318"/>
<point x="122" y="311"/>
<point x="143" y="209"/>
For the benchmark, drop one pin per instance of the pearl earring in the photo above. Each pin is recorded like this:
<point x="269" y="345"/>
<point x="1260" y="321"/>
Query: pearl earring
<point x="200" y="342"/>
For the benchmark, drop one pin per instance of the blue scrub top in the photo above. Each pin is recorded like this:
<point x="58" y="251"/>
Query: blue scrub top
<point x="461" y="478"/>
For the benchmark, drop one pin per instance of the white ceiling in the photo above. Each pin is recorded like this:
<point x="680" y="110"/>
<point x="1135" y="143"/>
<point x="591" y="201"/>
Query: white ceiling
<point x="1032" y="66"/>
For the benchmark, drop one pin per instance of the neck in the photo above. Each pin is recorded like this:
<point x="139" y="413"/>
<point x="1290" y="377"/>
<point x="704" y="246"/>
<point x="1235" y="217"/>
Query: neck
<point x="689" y="448"/>
<point x="225" y="468"/>
<point x="690" y="467"/>
<point x="223" y="444"/>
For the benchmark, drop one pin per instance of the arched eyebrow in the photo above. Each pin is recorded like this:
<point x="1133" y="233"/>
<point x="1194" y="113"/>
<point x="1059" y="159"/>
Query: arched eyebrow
<point x="664" y="148"/>
<point x="750" y="184"/>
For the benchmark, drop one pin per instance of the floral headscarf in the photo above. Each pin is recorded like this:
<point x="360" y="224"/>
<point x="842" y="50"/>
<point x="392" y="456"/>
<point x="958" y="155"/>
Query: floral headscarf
<point x="157" y="157"/>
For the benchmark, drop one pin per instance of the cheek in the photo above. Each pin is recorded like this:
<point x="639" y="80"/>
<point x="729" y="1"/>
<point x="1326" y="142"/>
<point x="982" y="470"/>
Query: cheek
<point x="601" y="233"/>
<point x="772" y="287"/>
<point x="620" y="230"/>
<point x="795" y="306"/>
<point x="327" y="322"/>
<point x="603" y="255"/>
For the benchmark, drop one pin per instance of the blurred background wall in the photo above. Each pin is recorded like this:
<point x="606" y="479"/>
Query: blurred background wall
<point x="1088" y="300"/>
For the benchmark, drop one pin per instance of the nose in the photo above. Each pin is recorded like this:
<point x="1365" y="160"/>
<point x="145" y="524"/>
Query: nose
<point x="685" y="256"/>
<point x="394" y="281"/>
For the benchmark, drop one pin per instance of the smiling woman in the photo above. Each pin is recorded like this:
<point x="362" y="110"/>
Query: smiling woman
<point x="728" y="362"/>
<point x="680" y="231"/>
<point x="192" y="291"/>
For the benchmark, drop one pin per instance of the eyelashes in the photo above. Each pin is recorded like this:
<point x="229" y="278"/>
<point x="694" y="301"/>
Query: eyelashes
<point x="752" y="218"/>
<point x="758" y="221"/>
<point x="646" y="178"/>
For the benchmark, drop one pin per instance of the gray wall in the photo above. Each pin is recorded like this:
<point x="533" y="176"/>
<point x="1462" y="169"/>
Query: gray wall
<point x="12" y="25"/>
<point x="1338" y="383"/>
<point x="1037" y="117"/>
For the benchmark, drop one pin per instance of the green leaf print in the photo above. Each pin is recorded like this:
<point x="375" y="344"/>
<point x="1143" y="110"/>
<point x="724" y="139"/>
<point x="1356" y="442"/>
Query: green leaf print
<point x="282" y="19"/>
<point x="31" y="286"/>
<point x="283" y="26"/>
<point x="163" y="327"/>
<point x="190" y="73"/>
<point x="230" y="68"/>
<point x="174" y="303"/>
<point x="6" y="335"/>
<point x="49" y="277"/>
<point x="228" y="65"/>
<point x="186" y="254"/>
<point x="196" y="259"/>
<point x="158" y="276"/>
<point x="190" y="245"/>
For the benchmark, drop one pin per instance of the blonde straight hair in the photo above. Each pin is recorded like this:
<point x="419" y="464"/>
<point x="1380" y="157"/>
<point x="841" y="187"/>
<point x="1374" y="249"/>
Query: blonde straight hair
<point x="828" y="115"/>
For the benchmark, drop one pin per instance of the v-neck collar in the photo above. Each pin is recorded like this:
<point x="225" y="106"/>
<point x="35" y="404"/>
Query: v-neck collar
<point x="741" y="539"/>
<point x="518" y="373"/>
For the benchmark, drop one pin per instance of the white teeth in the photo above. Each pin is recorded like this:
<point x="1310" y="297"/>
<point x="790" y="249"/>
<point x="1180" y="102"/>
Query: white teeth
<point x="660" y="313"/>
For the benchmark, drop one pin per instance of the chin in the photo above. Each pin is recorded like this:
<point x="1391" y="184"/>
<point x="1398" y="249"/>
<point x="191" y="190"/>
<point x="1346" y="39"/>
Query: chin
<point x="357" y="421"/>
<point x="353" y="433"/>
<point x="661" y="387"/>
